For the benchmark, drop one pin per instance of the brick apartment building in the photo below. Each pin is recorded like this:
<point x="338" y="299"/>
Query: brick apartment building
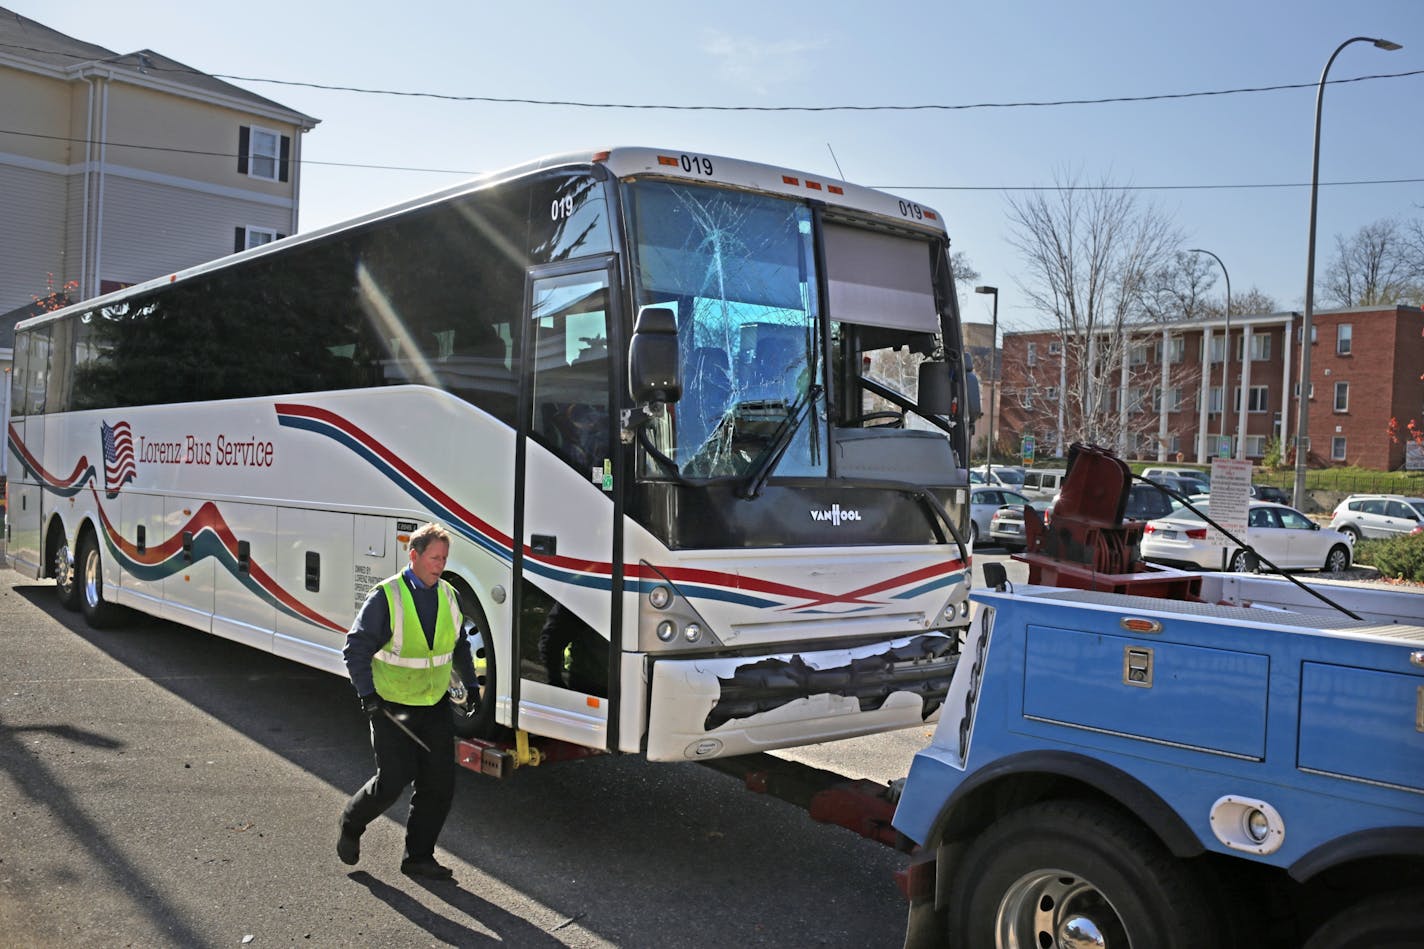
<point x="1366" y="364"/>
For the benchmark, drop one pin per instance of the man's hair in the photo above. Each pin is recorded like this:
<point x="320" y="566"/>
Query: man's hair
<point x="426" y="535"/>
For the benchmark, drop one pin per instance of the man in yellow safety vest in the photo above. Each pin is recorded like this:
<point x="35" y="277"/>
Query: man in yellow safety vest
<point x="399" y="653"/>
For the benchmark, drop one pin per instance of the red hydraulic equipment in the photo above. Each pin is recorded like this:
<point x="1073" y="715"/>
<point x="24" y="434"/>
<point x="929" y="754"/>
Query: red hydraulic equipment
<point x="1087" y="545"/>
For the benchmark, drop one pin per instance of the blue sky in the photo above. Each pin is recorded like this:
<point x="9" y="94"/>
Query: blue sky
<point x="839" y="53"/>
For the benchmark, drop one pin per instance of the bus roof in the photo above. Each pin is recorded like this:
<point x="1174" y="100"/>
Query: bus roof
<point x="623" y="163"/>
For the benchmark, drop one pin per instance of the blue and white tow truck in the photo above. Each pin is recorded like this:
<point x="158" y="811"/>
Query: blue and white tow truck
<point x="1148" y="758"/>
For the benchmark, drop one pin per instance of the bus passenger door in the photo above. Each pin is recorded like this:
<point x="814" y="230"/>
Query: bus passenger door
<point x="564" y="506"/>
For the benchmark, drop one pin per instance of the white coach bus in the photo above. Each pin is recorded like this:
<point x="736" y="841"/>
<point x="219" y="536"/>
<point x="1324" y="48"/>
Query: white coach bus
<point x="698" y="426"/>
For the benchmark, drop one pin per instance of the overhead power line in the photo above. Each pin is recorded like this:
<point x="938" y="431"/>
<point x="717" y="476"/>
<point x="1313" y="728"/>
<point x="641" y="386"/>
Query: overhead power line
<point x="578" y="104"/>
<point x="889" y="187"/>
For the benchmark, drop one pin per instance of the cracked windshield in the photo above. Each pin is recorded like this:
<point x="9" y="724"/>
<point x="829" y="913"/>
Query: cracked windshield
<point x="739" y="271"/>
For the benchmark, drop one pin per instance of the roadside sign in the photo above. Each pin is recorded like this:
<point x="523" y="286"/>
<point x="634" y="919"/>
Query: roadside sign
<point x="1028" y="448"/>
<point x="1230" y="498"/>
<point x="1223" y="448"/>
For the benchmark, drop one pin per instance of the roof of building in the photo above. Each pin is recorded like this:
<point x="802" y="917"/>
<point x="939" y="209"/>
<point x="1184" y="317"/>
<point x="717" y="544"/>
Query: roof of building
<point x="26" y="40"/>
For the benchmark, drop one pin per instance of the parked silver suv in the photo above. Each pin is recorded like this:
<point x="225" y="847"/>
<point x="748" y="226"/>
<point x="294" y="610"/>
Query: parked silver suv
<point x="1378" y="515"/>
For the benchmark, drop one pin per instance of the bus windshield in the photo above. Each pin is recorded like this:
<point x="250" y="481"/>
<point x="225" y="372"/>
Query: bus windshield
<point x="738" y="269"/>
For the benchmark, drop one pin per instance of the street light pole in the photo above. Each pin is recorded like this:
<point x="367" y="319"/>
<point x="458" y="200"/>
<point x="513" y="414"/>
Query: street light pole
<point x="1225" y="351"/>
<point x="1302" y="416"/>
<point x="993" y="385"/>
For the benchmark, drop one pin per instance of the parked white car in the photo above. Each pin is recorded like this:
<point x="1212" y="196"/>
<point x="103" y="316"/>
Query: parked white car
<point x="1006" y="527"/>
<point x="1378" y="515"/>
<point x="1279" y="534"/>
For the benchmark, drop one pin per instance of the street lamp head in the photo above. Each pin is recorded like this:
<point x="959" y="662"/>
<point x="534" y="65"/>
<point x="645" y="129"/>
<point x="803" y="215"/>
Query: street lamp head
<point x="1387" y="45"/>
<point x="993" y="290"/>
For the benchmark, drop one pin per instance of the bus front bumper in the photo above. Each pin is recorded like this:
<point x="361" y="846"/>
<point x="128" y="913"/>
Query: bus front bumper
<point x="714" y="707"/>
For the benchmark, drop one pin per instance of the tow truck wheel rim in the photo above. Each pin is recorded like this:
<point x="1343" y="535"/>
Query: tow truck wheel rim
<point x="1057" y="908"/>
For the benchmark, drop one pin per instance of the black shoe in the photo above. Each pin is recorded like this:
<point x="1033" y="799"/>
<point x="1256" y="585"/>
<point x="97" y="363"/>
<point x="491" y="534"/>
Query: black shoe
<point x="425" y="867"/>
<point x="348" y="846"/>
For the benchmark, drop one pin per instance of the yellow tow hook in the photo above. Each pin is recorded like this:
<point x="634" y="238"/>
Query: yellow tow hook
<point x="523" y="754"/>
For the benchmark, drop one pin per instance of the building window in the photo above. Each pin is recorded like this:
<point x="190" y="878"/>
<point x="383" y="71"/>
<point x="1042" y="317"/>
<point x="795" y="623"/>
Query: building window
<point x="1176" y="399"/>
<point x="1343" y="332"/>
<point x="1214" y="402"/>
<point x="1342" y="396"/>
<point x="1259" y="399"/>
<point x="1136" y="399"/>
<point x="1054" y="347"/>
<point x="1295" y="391"/>
<point x="1050" y="393"/>
<point x="1337" y="448"/>
<point x="1260" y="347"/>
<point x="263" y="153"/>
<point x="1137" y="356"/>
<point x="1157" y="399"/>
<point x="1032" y="356"/>
<point x="1026" y="397"/>
<point x="247" y="237"/>
<point x="1176" y="349"/>
<point x="1255" y="446"/>
<point x="1174" y="443"/>
<point x="1314" y="333"/>
<point x="1218" y="349"/>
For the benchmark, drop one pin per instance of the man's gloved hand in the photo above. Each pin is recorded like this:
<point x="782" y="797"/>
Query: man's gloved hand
<point x="371" y="705"/>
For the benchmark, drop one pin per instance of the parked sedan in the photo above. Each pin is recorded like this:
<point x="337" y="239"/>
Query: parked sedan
<point x="1279" y="534"/>
<point x="983" y="502"/>
<point x="1006" y="527"/>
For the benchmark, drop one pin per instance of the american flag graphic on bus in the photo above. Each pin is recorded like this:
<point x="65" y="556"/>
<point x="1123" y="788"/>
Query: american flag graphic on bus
<point x="118" y="456"/>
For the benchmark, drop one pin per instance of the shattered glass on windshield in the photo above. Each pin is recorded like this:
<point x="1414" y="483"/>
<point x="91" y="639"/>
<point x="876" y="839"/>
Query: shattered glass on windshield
<point x="738" y="269"/>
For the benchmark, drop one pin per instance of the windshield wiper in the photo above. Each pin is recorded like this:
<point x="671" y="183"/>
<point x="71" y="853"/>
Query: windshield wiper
<point x="780" y="442"/>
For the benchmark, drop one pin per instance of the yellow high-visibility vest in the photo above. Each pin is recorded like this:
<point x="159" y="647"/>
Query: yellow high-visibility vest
<point x="407" y="670"/>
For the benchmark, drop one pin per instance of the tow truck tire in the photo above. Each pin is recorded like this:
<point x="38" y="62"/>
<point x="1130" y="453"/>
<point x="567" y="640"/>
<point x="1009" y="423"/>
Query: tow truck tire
<point x="1386" y="921"/>
<point x="1071" y="872"/>
<point x="89" y="580"/>
<point x="475" y="719"/>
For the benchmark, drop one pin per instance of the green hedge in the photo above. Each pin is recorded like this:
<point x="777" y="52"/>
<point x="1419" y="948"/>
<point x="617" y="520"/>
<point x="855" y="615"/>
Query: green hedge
<point x="1398" y="558"/>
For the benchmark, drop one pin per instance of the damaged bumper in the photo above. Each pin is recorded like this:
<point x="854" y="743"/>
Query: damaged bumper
<point x="707" y="708"/>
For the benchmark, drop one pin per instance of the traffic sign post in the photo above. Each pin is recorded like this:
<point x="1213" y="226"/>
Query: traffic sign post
<point x="1028" y="447"/>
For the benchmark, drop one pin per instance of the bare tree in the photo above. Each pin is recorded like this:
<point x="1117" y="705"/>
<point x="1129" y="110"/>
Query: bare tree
<point x="1092" y="253"/>
<point x="1380" y="264"/>
<point x="1178" y="289"/>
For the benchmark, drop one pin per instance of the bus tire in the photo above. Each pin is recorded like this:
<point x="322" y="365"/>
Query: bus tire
<point x="89" y="568"/>
<point x="1070" y="872"/>
<point x="1385" y="921"/>
<point x="66" y="576"/>
<point x="476" y="718"/>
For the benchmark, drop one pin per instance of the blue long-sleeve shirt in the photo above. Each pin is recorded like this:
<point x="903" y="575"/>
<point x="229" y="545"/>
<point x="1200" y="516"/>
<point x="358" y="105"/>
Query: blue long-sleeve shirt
<point x="372" y="630"/>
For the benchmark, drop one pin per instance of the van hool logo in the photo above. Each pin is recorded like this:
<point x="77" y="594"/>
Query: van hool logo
<point x="835" y="514"/>
<point x="119" y="467"/>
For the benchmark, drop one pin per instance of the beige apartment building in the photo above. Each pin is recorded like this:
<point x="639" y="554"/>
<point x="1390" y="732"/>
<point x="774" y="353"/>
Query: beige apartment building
<point x="116" y="168"/>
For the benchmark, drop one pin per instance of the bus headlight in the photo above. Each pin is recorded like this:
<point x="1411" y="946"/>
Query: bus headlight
<point x="667" y="630"/>
<point x="693" y="632"/>
<point x="660" y="597"/>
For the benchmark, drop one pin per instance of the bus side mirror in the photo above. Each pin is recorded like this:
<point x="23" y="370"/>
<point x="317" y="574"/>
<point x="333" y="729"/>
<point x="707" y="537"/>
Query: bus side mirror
<point x="652" y="357"/>
<point x="936" y="388"/>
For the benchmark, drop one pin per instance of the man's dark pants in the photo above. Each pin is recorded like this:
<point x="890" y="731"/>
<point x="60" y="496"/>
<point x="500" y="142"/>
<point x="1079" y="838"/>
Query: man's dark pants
<point x="399" y="761"/>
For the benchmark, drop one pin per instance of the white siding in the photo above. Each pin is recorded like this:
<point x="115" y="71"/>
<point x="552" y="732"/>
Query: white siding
<point x="152" y="229"/>
<point x="32" y="211"/>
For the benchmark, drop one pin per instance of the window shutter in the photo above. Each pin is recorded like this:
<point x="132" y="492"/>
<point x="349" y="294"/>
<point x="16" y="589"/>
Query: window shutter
<point x="240" y="242"/>
<point x="282" y="174"/>
<point x="244" y="147"/>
